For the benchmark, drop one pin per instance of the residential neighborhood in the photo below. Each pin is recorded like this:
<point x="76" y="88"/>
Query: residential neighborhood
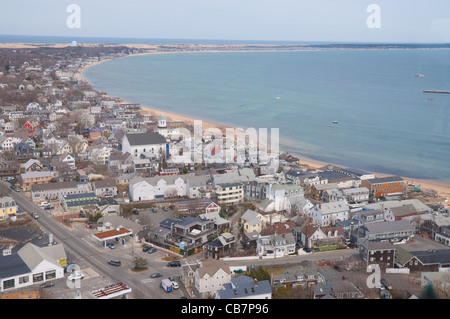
<point x="92" y="192"/>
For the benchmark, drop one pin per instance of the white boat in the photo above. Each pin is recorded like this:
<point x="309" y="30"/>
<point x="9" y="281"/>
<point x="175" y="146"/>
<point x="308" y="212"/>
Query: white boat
<point x="419" y="76"/>
<point x="335" y="122"/>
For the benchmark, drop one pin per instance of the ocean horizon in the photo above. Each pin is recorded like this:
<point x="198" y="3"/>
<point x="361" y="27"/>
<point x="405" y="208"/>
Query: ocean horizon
<point x="385" y="123"/>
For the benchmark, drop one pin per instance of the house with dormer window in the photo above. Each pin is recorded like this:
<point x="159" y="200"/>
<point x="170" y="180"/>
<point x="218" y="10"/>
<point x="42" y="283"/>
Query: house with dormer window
<point x="211" y="277"/>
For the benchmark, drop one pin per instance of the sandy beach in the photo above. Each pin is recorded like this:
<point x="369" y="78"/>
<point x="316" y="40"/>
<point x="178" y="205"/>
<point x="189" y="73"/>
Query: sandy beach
<point x="441" y="188"/>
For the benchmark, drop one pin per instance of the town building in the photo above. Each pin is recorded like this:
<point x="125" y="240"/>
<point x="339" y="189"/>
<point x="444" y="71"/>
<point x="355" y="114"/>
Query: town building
<point x="275" y="246"/>
<point x="244" y="287"/>
<point x="8" y="207"/>
<point x="385" y="186"/>
<point x="230" y="193"/>
<point x="379" y="253"/>
<point x="31" y="265"/>
<point x="139" y="143"/>
<point x="327" y="214"/>
<point x="211" y="277"/>
<point x="34" y="178"/>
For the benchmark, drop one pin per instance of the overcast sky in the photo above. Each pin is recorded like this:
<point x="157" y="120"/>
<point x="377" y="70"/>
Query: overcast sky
<point x="272" y="20"/>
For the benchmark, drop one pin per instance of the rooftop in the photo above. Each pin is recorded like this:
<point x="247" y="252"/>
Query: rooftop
<point x="145" y="138"/>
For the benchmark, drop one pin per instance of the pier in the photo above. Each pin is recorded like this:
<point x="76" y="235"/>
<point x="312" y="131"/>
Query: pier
<point x="436" y="91"/>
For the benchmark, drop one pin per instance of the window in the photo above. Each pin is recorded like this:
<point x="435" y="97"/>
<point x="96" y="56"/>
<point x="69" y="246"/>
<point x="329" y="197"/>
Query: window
<point x="38" y="277"/>
<point x="8" y="284"/>
<point x="24" y="280"/>
<point x="50" y="274"/>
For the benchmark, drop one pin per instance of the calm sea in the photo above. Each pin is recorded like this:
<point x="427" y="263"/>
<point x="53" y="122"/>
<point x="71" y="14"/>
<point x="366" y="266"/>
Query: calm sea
<point x="385" y="124"/>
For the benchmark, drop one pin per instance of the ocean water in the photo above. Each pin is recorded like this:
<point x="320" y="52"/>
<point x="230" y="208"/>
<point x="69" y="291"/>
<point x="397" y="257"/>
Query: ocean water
<point x="386" y="123"/>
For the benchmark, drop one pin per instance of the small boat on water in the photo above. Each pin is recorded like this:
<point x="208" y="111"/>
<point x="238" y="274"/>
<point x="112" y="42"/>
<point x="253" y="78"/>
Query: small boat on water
<point x="278" y="98"/>
<point x="335" y="122"/>
<point x="419" y="76"/>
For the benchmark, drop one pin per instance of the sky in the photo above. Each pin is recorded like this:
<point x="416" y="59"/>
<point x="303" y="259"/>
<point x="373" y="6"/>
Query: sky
<point x="417" y="21"/>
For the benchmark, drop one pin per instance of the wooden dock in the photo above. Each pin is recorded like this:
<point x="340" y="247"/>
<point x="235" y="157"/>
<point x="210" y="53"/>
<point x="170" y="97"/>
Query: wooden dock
<point x="436" y="91"/>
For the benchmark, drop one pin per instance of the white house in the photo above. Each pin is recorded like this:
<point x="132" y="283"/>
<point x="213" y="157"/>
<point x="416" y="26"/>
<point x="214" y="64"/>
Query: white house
<point x="326" y="214"/>
<point x="275" y="246"/>
<point x="31" y="265"/>
<point x="281" y="197"/>
<point x="67" y="158"/>
<point x="196" y="185"/>
<point x="139" y="143"/>
<point x="211" y="277"/>
<point x="357" y="195"/>
<point x="157" y="187"/>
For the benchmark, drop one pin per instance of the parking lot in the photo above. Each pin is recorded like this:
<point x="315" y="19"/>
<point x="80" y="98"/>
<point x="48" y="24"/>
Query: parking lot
<point x="95" y="279"/>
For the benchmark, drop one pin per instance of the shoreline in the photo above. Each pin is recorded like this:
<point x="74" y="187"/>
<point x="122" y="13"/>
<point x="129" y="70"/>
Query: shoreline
<point x="440" y="187"/>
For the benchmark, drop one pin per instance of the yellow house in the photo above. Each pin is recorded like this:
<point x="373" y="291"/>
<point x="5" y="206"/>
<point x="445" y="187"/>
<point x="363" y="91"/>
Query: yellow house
<point x="253" y="221"/>
<point x="7" y="207"/>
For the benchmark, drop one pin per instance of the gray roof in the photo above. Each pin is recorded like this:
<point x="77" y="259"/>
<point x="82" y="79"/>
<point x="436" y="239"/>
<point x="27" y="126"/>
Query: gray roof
<point x="145" y="138"/>
<point x="33" y="255"/>
<point x="12" y="265"/>
<point x="379" y="245"/>
<point x="384" y="227"/>
<point x="251" y="217"/>
<point x="53" y="186"/>
<point x="441" y="256"/>
<point x="387" y="179"/>
<point x="419" y="206"/>
<point x="333" y="175"/>
<point x="244" y="287"/>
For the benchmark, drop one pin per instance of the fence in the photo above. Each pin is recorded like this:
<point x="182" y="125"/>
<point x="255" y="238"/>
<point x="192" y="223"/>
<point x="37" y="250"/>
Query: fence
<point x="165" y="250"/>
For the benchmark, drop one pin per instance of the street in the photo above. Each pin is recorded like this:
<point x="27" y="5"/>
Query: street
<point x="93" y="259"/>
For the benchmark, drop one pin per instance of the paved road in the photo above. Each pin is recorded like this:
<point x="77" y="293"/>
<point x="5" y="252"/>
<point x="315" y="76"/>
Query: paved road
<point x="78" y="250"/>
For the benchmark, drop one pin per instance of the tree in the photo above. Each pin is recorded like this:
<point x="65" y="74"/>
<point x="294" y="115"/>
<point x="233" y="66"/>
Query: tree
<point x="139" y="263"/>
<point x="259" y="274"/>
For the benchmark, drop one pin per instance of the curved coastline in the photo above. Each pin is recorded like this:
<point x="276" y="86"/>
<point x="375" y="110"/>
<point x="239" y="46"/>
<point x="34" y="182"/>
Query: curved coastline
<point x="441" y="187"/>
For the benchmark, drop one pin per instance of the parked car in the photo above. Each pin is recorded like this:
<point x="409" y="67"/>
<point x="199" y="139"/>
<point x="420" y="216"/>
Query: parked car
<point x="175" y="284"/>
<point x="49" y="207"/>
<point x="152" y="250"/>
<point x="156" y="275"/>
<point x="44" y="204"/>
<point x="154" y="210"/>
<point x="175" y="263"/>
<point x="116" y="263"/>
<point x="35" y="216"/>
<point x="146" y="248"/>
<point x="75" y="275"/>
<point x="111" y="245"/>
<point x="135" y="211"/>
<point x="47" y="284"/>
<point x="165" y="208"/>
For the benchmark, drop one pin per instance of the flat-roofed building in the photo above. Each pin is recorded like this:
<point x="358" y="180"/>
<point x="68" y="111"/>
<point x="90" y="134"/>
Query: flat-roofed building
<point x="230" y="193"/>
<point x="385" y="186"/>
